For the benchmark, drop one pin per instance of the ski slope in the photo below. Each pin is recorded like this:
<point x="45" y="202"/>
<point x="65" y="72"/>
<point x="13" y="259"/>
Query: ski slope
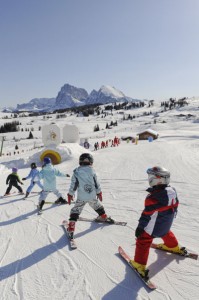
<point x="35" y="259"/>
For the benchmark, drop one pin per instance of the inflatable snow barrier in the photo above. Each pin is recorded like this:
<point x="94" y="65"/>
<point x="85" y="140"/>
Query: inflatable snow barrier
<point x="54" y="156"/>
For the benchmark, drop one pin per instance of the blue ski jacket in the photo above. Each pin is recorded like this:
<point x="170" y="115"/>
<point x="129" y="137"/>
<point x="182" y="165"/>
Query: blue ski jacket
<point x="160" y="209"/>
<point x="33" y="175"/>
<point x="84" y="181"/>
<point x="48" y="174"/>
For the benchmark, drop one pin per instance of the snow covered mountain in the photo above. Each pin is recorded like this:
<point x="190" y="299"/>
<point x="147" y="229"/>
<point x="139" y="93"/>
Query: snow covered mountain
<point x="70" y="96"/>
<point x="108" y="94"/>
<point x="37" y="104"/>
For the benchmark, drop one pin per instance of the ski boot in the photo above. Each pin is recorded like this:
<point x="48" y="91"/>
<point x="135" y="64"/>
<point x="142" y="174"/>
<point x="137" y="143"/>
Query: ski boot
<point x="179" y="250"/>
<point x="71" y="229"/>
<point x="101" y="218"/>
<point x="141" y="269"/>
<point x="104" y="218"/>
<point x="70" y="234"/>
<point x="40" y="206"/>
<point x="110" y="220"/>
<point x="26" y="196"/>
<point x="61" y="201"/>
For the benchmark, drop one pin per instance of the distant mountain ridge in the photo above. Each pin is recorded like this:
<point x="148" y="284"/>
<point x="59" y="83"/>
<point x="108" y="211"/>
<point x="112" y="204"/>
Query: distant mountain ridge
<point x="70" y="96"/>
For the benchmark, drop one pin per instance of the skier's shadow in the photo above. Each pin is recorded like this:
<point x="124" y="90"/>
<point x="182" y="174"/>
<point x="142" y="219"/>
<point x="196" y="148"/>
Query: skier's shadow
<point x="21" y="217"/>
<point x="93" y="226"/>
<point x="12" y="201"/>
<point x="32" y="259"/>
<point x="128" y="288"/>
<point x="18" y="219"/>
<point x="163" y="259"/>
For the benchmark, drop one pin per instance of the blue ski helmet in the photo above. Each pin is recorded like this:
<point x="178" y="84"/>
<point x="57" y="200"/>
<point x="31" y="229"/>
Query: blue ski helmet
<point x="47" y="160"/>
<point x="14" y="170"/>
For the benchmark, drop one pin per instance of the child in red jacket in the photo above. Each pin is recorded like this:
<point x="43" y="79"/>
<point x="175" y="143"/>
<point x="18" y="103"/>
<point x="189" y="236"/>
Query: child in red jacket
<point x="156" y="219"/>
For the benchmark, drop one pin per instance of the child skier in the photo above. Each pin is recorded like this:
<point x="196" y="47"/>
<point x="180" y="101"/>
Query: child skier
<point x="85" y="181"/>
<point x="34" y="178"/>
<point x="13" y="179"/>
<point x="156" y="219"/>
<point x="48" y="174"/>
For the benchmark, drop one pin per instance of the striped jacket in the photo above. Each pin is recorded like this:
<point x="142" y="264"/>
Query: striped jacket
<point x="160" y="209"/>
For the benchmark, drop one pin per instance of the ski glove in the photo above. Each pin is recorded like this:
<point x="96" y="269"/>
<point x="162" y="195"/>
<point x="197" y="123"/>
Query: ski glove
<point x="67" y="175"/>
<point x="70" y="198"/>
<point x="138" y="232"/>
<point x="23" y="178"/>
<point x="99" y="196"/>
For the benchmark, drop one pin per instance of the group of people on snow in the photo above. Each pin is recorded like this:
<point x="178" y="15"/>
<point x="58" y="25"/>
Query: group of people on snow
<point x="155" y="221"/>
<point x="104" y="144"/>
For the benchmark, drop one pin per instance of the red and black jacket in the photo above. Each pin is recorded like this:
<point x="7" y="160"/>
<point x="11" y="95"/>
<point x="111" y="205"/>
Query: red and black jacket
<point x="160" y="209"/>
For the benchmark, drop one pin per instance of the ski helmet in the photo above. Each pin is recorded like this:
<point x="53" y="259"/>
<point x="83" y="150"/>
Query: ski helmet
<point x="33" y="165"/>
<point x="14" y="170"/>
<point x="47" y="160"/>
<point x="86" y="159"/>
<point x="158" y="175"/>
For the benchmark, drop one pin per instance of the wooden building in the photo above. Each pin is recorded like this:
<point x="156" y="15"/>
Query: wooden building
<point x="144" y="135"/>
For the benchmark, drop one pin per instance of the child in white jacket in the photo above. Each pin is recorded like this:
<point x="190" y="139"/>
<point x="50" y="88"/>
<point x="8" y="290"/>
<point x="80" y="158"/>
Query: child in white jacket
<point x="85" y="181"/>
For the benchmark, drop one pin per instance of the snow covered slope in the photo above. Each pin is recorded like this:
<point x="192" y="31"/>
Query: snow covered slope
<point x="36" y="262"/>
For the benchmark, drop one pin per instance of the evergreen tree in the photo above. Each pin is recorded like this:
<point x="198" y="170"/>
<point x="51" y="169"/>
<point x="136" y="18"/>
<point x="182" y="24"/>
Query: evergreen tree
<point x="30" y="135"/>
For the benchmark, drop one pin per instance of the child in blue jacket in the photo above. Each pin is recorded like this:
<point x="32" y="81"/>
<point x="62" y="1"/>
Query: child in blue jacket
<point x="34" y="179"/>
<point x="49" y="174"/>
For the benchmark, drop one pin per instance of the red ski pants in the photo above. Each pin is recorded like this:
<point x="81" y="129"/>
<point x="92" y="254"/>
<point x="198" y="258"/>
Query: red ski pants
<point x="143" y="244"/>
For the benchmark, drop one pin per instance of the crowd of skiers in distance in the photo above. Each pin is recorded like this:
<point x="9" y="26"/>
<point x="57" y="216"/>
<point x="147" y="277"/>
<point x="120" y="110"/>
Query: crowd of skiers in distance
<point x="104" y="144"/>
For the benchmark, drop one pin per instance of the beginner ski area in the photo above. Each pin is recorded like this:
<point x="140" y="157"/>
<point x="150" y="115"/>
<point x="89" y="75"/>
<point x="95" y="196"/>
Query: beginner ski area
<point x="36" y="261"/>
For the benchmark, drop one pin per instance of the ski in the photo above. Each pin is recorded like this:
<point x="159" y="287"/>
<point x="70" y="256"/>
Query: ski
<point x="29" y="196"/>
<point x="188" y="254"/>
<point x="72" y="242"/>
<point x="35" y="192"/>
<point x="11" y="194"/>
<point x="147" y="281"/>
<point x="106" y="222"/>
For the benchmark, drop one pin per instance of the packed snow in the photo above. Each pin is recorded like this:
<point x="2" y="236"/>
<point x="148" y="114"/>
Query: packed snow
<point x="35" y="257"/>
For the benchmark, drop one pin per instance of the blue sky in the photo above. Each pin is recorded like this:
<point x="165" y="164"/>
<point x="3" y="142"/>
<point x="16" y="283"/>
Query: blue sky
<point x="148" y="49"/>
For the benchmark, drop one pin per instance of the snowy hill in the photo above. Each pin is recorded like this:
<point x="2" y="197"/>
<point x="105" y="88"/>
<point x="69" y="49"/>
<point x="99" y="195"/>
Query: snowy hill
<point x="36" y="261"/>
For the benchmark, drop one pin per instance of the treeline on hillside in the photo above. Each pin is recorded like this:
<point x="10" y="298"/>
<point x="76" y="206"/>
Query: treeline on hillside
<point x="96" y="109"/>
<point x="172" y="103"/>
<point x="10" y="127"/>
<point x="85" y="110"/>
<point x="124" y="105"/>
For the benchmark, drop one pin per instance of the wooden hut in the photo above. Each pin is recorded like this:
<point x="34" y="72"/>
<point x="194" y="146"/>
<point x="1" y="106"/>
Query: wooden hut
<point x="144" y="135"/>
